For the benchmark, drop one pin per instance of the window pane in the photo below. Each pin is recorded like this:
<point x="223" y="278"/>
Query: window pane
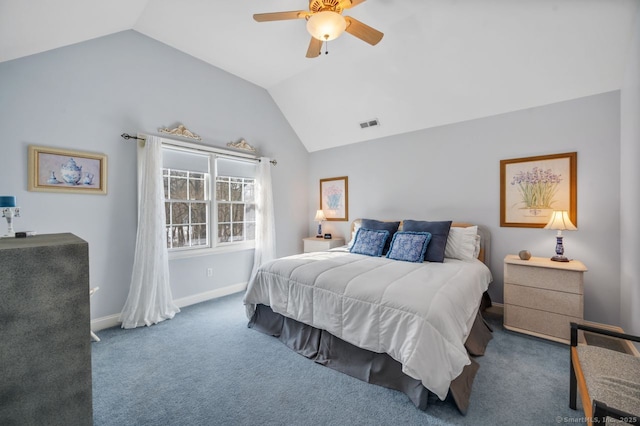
<point x="199" y="235"/>
<point x="198" y="213"/>
<point x="236" y="189"/>
<point x="250" y="212"/>
<point x="180" y="213"/>
<point x="165" y="181"/>
<point x="238" y="231"/>
<point x="196" y="175"/>
<point x="224" y="233"/>
<point x="178" y="189"/>
<point x="168" y="230"/>
<point x="179" y="235"/>
<point x="222" y="190"/>
<point x="237" y="212"/>
<point x="224" y="212"/>
<point x="249" y="192"/>
<point x="178" y="173"/>
<point x="196" y="189"/>
<point x="167" y="213"/>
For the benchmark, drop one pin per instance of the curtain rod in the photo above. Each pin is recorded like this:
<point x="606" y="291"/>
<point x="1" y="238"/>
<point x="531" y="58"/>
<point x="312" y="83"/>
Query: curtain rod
<point x="127" y="136"/>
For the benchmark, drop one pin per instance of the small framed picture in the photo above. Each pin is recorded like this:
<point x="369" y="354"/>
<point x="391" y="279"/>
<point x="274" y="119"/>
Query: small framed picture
<point x="334" y="198"/>
<point x="62" y="170"/>
<point x="532" y="188"/>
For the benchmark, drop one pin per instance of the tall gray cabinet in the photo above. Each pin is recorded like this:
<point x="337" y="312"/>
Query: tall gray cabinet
<point x="45" y="352"/>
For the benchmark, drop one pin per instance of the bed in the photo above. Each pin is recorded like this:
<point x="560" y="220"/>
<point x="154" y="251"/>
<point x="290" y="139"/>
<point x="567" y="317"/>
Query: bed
<point x="405" y="321"/>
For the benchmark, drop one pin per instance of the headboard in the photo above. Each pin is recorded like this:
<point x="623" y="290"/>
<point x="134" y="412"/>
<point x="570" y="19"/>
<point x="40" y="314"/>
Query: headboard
<point x="483" y="231"/>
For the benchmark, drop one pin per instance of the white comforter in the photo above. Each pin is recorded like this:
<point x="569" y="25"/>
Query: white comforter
<point x="418" y="313"/>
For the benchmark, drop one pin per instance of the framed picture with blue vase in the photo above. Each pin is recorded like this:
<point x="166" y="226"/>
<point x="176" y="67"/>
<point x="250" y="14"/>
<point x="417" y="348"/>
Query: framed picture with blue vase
<point x="63" y="170"/>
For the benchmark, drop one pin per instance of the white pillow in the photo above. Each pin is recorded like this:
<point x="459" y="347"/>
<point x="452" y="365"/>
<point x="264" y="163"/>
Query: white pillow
<point x="463" y="243"/>
<point x="356" y="226"/>
<point x="476" y="251"/>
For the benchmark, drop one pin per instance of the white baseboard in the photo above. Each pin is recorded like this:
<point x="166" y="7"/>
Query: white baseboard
<point x="105" y="322"/>
<point x="114" y="320"/>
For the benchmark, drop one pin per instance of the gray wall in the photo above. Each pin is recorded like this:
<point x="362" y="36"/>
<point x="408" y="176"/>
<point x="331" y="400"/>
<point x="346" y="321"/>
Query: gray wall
<point x="452" y="172"/>
<point x="629" y="193"/>
<point x="84" y="96"/>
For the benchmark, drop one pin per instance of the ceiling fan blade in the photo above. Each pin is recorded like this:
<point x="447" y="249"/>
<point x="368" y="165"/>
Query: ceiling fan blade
<point x="363" y="31"/>
<point x="280" y="16"/>
<point x="315" y="46"/>
<point x="348" y="4"/>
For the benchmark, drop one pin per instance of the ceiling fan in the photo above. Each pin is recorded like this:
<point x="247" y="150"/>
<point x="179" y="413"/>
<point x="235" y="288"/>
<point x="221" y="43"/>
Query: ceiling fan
<point x="325" y="22"/>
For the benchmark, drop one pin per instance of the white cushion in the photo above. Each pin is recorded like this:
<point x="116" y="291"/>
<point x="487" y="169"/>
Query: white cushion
<point x="463" y="243"/>
<point x="356" y="226"/>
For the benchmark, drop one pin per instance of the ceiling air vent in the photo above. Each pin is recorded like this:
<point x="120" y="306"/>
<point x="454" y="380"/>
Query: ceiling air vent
<point x="369" y="123"/>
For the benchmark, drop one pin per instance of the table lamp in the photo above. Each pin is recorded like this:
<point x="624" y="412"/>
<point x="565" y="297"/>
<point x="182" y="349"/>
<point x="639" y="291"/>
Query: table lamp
<point x="560" y="221"/>
<point x="9" y="210"/>
<point x="319" y="218"/>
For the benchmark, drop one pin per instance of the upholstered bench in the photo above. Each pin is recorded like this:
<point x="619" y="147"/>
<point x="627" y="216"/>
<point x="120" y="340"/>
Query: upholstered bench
<point x="608" y="380"/>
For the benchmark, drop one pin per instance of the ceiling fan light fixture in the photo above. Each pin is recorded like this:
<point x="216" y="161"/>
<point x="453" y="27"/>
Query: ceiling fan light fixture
<point x="326" y="25"/>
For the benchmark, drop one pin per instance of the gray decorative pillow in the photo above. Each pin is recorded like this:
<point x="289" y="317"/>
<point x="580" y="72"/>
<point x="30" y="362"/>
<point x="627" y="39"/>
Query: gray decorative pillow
<point x="439" y="232"/>
<point x="409" y="246"/>
<point x="378" y="225"/>
<point x="369" y="242"/>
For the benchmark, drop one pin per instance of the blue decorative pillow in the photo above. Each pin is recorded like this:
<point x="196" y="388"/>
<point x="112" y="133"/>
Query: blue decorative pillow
<point x="369" y="242"/>
<point x="391" y="227"/>
<point x="439" y="232"/>
<point x="409" y="246"/>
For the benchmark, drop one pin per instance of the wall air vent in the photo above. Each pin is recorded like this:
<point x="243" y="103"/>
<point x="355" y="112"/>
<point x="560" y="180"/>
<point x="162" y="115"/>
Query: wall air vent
<point x="369" y="123"/>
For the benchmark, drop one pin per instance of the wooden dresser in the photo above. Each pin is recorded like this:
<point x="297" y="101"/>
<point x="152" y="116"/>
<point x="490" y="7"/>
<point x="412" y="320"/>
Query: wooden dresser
<point x="45" y="352"/>
<point x="541" y="297"/>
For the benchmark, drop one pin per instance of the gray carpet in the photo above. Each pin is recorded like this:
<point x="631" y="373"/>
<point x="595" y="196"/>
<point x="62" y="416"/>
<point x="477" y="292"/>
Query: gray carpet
<point x="205" y="367"/>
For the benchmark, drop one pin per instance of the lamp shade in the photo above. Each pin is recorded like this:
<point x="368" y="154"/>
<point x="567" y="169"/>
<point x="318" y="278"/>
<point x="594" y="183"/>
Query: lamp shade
<point x="7" y="201"/>
<point x="560" y="221"/>
<point x="326" y="25"/>
<point x="320" y="216"/>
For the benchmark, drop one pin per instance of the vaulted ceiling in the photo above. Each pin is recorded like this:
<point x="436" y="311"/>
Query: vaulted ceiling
<point x="440" y="61"/>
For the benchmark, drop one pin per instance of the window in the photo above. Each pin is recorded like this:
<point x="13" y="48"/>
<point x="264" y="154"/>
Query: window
<point x="209" y="200"/>
<point x="235" y="201"/>
<point x="186" y="208"/>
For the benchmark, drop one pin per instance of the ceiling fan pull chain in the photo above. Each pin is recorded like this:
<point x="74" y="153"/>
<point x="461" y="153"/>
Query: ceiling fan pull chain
<point x="326" y="47"/>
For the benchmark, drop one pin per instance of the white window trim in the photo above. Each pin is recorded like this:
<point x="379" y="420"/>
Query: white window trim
<point x="189" y="252"/>
<point x="197" y="252"/>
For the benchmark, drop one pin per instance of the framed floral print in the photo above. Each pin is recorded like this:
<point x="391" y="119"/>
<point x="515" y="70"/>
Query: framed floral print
<point x="531" y="188"/>
<point x="334" y="198"/>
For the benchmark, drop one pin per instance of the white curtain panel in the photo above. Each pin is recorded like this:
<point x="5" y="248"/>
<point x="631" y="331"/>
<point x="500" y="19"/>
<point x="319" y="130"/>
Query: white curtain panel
<point x="149" y="300"/>
<point x="265" y="220"/>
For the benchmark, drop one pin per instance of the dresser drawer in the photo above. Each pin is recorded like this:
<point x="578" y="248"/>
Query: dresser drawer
<point x="321" y="244"/>
<point x="547" y="278"/>
<point x="546" y="323"/>
<point x="559" y="302"/>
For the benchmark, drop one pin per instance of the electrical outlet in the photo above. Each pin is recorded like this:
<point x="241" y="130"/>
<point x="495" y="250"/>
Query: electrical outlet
<point x="209" y="272"/>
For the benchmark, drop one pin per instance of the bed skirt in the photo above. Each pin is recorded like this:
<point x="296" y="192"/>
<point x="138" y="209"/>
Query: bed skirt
<point x="376" y="368"/>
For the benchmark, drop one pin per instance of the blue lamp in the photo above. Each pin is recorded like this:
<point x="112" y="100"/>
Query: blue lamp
<point x="319" y="218"/>
<point x="561" y="222"/>
<point x="9" y="210"/>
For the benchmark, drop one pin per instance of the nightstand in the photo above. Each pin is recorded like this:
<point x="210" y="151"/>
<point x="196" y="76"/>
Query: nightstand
<point x="541" y="297"/>
<point x="320" y="244"/>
